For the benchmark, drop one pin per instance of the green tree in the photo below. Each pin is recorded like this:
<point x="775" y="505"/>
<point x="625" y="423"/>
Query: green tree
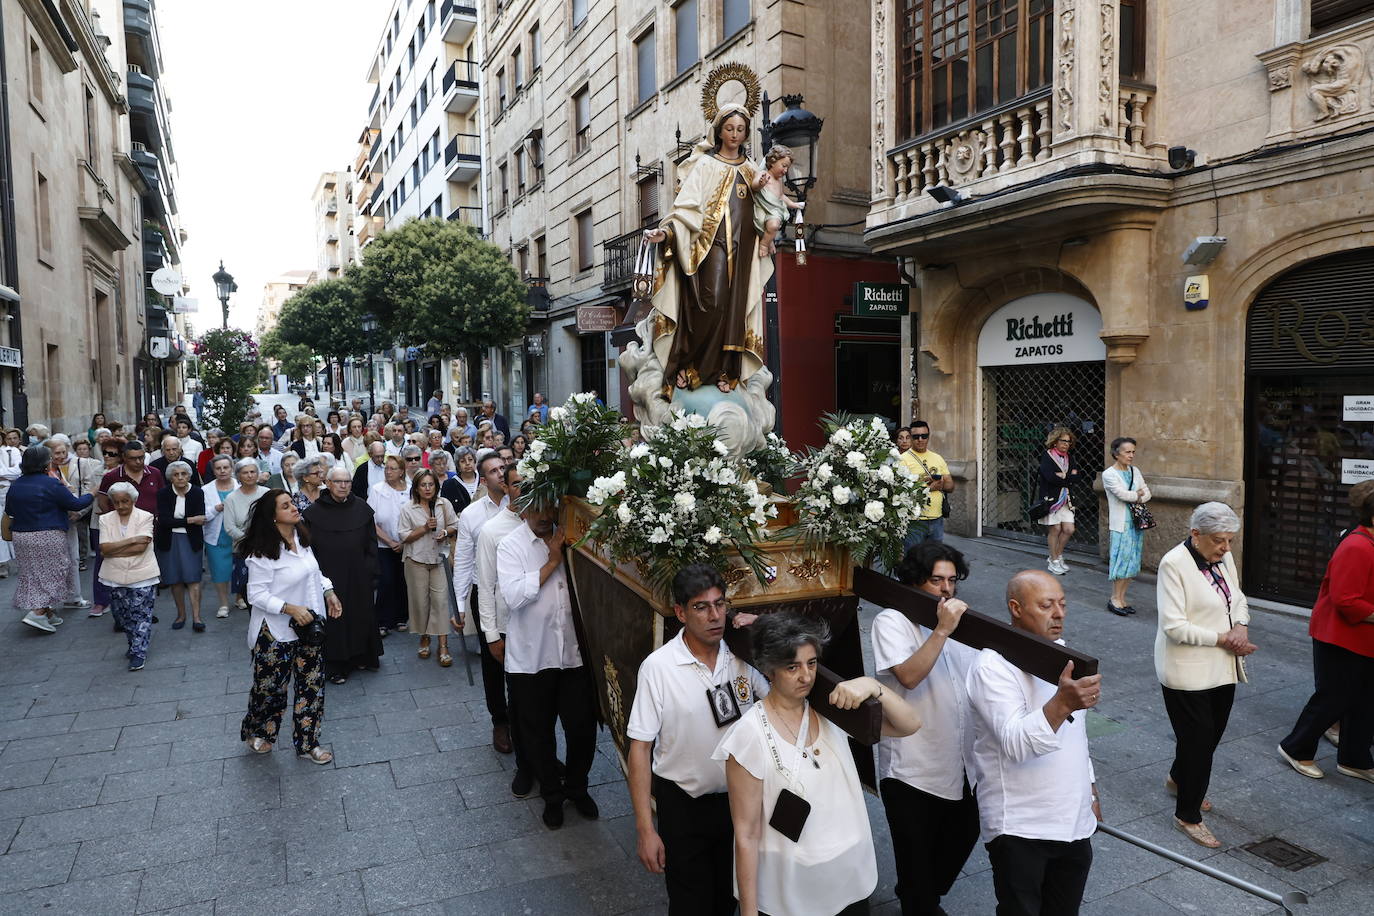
<point x="327" y="319"/>
<point x="297" y="361"/>
<point x="437" y="283"/>
<point x="229" y="370"/>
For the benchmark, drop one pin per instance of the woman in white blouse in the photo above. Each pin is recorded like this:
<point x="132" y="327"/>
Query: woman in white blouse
<point x="353" y="445"/>
<point x="286" y="590"/>
<point x="1124" y="485"/>
<point x="781" y="757"/>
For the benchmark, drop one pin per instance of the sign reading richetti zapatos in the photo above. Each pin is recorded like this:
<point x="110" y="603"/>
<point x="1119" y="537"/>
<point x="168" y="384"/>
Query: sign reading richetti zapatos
<point x="1043" y="328"/>
<point x="881" y="300"/>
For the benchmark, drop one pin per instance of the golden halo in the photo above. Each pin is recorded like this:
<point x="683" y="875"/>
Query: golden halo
<point x="730" y="73"/>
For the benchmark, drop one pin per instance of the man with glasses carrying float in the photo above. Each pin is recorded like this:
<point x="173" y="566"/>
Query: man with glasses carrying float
<point x="931" y="470"/>
<point x="689" y="692"/>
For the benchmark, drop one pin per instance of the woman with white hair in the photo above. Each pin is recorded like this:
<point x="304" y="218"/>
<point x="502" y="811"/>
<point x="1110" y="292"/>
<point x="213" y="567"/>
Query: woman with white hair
<point x="309" y="474"/>
<point x="219" y="546"/>
<point x="237" y="506"/>
<point x="1200" y="647"/>
<point x="179" y="540"/>
<point x="129" y="568"/>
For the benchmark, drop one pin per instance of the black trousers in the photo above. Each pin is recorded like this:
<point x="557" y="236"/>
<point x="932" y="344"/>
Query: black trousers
<point x="1039" y="877"/>
<point x="1345" y="694"/>
<point x="1199" y="719"/>
<point x="931" y="840"/>
<point x="857" y="908"/>
<point x="565" y="695"/>
<point x="391" y="589"/>
<point x="699" y="844"/>
<point x="493" y="673"/>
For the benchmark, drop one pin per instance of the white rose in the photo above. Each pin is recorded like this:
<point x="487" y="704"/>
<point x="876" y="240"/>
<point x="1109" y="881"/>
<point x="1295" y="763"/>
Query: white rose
<point x="680" y="424"/>
<point x="684" y="502"/>
<point x="824" y="473"/>
<point x="726" y="476"/>
<point x="842" y="437"/>
<point x="696" y="420"/>
<point x="639" y="451"/>
<point x="557" y="414"/>
<point x="523" y="467"/>
<point x="855" y="459"/>
<point x="886" y="474"/>
<point x="873" y="510"/>
<point x="658" y="536"/>
<point x="719" y="447"/>
<point x="623" y="513"/>
<point x="665" y="462"/>
<point x="712" y="535"/>
<point x="840" y="494"/>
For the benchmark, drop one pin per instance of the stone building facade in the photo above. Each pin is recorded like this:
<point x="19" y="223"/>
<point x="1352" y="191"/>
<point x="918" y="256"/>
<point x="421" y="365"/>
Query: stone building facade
<point x="1079" y="156"/>
<point x="94" y="213"/>
<point x="591" y="107"/>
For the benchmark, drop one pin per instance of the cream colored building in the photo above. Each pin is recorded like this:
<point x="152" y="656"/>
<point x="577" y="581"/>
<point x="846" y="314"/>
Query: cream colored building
<point x="1053" y="131"/>
<point x="335" y="243"/>
<point x="275" y="292"/>
<point x="592" y="105"/>
<point x="94" y="212"/>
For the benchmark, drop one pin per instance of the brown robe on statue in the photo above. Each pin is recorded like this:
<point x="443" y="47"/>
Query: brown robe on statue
<point x="711" y="318"/>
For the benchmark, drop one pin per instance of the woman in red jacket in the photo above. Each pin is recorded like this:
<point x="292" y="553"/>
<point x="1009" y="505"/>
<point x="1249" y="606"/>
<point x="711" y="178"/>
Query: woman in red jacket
<point x="1342" y="631"/>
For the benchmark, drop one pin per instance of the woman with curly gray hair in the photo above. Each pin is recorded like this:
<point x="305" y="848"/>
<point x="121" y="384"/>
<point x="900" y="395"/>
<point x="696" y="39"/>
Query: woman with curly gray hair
<point x="802" y="839"/>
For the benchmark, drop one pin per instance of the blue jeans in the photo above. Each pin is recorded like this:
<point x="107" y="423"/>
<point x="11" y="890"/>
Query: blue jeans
<point x="927" y="529"/>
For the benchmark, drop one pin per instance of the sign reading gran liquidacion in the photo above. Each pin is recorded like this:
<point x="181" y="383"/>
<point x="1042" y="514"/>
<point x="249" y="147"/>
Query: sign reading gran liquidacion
<point x="1043" y="328"/>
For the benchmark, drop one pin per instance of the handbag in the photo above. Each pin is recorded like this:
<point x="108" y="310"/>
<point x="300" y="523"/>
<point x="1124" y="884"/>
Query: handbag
<point x="1141" y="516"/>
<point x="5" y="531"/>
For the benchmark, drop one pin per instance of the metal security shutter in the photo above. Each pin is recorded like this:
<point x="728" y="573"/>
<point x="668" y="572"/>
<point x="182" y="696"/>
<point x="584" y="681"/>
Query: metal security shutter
<point x="1317" y="318"/>
<point x="1328" y="14"/>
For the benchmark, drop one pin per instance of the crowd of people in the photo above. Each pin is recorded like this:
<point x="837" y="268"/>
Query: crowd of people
<point x="334" y="535"/>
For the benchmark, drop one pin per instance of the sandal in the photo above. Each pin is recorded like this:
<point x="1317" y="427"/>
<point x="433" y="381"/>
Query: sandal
<point x="316" y="754"/>
<point x="445" y="659"/>
<point x="1199" y="834"/>
<point x="259" y="745"/>
<point x="1172" y="788"/>
<point x="424" y="647"/>
<point x="338" y="679"/>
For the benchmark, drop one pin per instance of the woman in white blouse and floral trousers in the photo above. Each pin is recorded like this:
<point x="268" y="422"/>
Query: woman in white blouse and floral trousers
<point x="286" y="590"/>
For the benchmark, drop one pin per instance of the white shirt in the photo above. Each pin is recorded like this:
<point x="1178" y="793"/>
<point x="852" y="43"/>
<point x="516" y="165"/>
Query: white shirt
<point x="1033" y="782"/>
<point x="539" y="630"/>
<point x="670" y="709"/>
<point x="376" y="473"/>
<point x="833" y="864"/>
<point x="1114" y="482"/>
<point x="190" y="450"/>
<point x="214" y="522"/>
<point x="311" y="447"/>
<point x="470" y="523"/>
<point x="491" y="607"/>
<point x="386" y="502"/>
<point x="393" y="449"/>
<point x="271" y="458"/>
<point x="936" y="757"/>
<point x="293" y="578"/>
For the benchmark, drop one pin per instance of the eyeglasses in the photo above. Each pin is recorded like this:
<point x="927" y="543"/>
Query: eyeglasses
<point x="110" y="454"/>
<point x="720" y="604"/>
<point x="920" y="435"/>
<point x="1063" y="439"/>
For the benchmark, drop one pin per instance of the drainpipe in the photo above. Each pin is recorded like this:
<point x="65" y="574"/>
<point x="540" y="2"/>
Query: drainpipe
<point x="9" y="270"/>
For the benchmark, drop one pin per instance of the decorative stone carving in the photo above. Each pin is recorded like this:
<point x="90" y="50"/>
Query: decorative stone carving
<point x="880" y="90"/>
<point x="1106" y="89"/>
<point x="1333" y="81"/>
<point x="1064" y="85"/>
<point x="1280" y="78"/>
<point x="963" y="154"/>
<point x="1123" y="344"/>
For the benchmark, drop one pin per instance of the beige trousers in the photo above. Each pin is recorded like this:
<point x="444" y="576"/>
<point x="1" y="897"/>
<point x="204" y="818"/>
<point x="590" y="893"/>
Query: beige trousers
<point x="428" y="598"/>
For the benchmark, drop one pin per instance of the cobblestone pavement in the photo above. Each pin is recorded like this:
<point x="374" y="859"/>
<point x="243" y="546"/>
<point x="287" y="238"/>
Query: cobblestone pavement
<point x="130" y="793"/>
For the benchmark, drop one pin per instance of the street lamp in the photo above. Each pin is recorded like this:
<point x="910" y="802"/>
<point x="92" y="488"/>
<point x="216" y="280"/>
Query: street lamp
<point x="369" y="329"/>
<point x="224" y="285"/>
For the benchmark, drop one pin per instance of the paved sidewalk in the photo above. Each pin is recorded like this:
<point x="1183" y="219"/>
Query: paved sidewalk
<point x="130" y="793"/>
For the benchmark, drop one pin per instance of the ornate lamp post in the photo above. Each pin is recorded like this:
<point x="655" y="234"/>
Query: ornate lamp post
<point x="370" y="330"/>
<point x="224" y="285"/>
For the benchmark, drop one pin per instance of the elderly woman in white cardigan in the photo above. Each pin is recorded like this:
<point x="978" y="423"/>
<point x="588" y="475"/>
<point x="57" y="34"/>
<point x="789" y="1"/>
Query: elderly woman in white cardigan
<point x="1123" y="484"/>
<point x="1199" y="651"/>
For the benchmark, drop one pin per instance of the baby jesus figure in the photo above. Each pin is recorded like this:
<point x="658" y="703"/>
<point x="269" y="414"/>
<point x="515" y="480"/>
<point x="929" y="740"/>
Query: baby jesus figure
<point x="772" y="203"/>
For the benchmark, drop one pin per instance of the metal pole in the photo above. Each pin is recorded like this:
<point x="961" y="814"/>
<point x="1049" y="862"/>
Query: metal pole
<point x="224" y="309"/>
<point x="371" y="388"/>
<point x="1287" y="901"/>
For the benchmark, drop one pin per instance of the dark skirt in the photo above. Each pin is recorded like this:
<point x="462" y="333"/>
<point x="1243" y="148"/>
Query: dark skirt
<point x="179" y="564"/>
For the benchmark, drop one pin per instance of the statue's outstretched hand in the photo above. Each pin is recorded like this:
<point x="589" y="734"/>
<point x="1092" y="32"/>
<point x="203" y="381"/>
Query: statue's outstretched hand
<point x="655" y="236"/>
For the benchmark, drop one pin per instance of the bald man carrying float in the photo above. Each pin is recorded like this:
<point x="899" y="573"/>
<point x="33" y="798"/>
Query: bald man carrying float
<point x="1037" y="802"/>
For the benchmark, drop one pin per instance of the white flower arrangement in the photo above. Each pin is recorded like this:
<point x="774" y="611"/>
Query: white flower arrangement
<point x="677" y="500"/>
<point x="856" y="494"/>
<point x="580" y="442"/>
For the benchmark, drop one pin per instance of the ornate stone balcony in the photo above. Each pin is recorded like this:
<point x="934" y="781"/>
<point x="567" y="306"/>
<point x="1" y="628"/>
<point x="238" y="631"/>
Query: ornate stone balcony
<point x="1320" y="85"/>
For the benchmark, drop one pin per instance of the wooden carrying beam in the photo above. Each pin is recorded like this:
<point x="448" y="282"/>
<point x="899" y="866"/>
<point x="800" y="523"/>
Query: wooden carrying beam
<point x="1036" y="655"/>
<point x="864" y="725"/>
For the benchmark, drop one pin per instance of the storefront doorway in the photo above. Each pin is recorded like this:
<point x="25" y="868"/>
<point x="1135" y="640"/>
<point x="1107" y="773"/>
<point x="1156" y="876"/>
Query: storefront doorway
<point x="867" y="379"/>
<point x="1041" y="365"/>
<point x="1309" y="420"/>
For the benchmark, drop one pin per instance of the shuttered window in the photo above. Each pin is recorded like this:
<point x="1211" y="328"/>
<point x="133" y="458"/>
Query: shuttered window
<point x="1328" y="14"/>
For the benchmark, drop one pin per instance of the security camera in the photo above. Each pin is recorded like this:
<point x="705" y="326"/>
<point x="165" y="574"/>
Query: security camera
<point x="1180" y="157"/>
<point x="945" y="194"/>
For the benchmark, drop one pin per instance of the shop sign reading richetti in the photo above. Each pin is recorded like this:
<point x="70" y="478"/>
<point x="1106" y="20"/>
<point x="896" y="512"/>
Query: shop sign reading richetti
<point x="1043" y="328"/>
<point x="881" y="300"/>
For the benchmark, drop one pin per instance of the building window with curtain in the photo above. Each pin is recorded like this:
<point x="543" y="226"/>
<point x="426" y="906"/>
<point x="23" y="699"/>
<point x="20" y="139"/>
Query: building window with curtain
<point x="1331" y="14"/>
<point x="645" y="60"/>
<point x="734" y="15"/>
<point x="685" y="29"/>
<point x="582" y="120"/>
<point x="960" y="58"/>
<point x="586" y="256"/>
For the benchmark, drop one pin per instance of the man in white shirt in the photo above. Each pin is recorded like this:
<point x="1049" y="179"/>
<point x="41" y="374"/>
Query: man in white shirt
<point x="395" y="438"/>
<point x="924" y="778"/>
<point x="544" y="663"/>
<point x="675" y="718"/>
<point x="492" y="612"/>
<point x="372" y="471"/>
<point x="1037" y="797"/>
<point x="482" y="509"/>
<point x="267" y="450"/>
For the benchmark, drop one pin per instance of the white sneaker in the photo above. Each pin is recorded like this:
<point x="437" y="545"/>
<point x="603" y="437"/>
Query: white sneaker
<point x="1056" y="566"/>
<point x="1063" y="566"/>
<point x="39" y="622"/>
<point x="80" y="604"/>
<point x="55" y="620"/>
<point x="222" y="612"/>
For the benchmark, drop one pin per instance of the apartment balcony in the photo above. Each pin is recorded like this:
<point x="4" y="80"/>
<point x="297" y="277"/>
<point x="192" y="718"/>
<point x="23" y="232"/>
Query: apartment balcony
<point x="372" y="198"/>
<point x="154" y="249"/>
<point x="461" y="86"/>
<point x="372" y="153"/>
<point x="458" y="20"/>
<point x="537" y="295"/>
<point x="155" y="310"/>
<point x="463" y="158"/>
<point x="368" y="227"/>
<point x="469" y="216"/>
<point x="147" y="115"/>
<point x="331" y="205"/>
<point x="620" y="260"/>
<point x="96" y="209"/>
<point x="140" y="34"/>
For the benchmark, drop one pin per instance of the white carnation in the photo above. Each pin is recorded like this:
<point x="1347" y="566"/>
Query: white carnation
<point x="684" y="502"/>
<point x="658" y="535"/>
<point x="623" y="513"/>
<point x="558" y="414"/>
<point x="680" y="424"/>
<point x="842" y="437"/>
<point x="840" y="494"/>
<point x="873" y="510"/>
<point x="665" y="462"/>
<point x="886" y="474"/>
<point x="696" y="420"/>
<point x="712" y="535"/>
<point x="824" y="472"/>
<point x="639" y="451"/>
<point x="855" y="459"/>
<point x="584" y="397"/>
